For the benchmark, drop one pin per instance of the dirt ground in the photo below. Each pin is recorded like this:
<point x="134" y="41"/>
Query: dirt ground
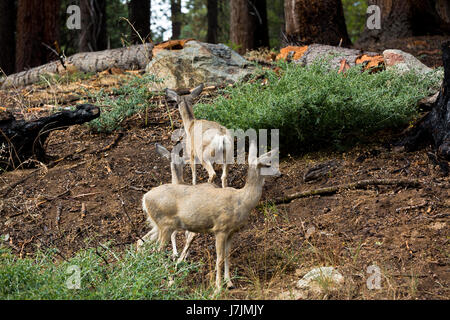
<point x="90" y="197"/>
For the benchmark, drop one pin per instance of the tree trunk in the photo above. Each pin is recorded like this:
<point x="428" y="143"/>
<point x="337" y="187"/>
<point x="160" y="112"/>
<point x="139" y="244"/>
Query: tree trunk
<point x="133" y="57"/>
<point x="241" y="29"/>
<point x="408" y="18"/>
<point x="175" y="9"/>
<point x="93" y="35"/>
<point x="435" y="126"/>
<point x="7" y="36"/>
<point x="213" y="26"/>
<point x="258" y="12"/>
<point x="22" y="140"/>
<point x="315" y="21"/>
<point x="37" y="24"/>
<point x="139" y="16"/>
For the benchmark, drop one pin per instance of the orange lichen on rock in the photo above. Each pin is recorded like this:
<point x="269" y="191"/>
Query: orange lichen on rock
<point x="298" y="52"/>
<point x="371" y="61"/>
<point x="170" y="45"/>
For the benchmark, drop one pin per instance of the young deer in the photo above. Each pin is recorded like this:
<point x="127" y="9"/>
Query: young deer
<point x="203" y="138"/>
<point x="204" y="208"/>
<point x="176" y="170"/>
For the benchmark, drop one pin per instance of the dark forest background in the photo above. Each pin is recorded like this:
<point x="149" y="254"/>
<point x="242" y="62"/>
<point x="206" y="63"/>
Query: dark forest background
<point x="33" y="32"/>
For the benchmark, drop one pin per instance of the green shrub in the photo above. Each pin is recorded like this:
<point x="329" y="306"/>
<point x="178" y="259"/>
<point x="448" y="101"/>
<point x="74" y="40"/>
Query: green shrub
<point x="104" y="275"/>
<point x="126" y="100"/>
<point x="313" y="106"/>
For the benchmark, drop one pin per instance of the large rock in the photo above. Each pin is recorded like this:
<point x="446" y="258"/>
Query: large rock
<point x="195" y="63"/>
<point x="333" y="55"/>
<point x="403" y="62"/>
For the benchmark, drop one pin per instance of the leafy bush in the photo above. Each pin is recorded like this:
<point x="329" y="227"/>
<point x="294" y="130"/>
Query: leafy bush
<point x="313" y="106"/>
<point x="126" y="100"/>
<point x="104" y="275"/>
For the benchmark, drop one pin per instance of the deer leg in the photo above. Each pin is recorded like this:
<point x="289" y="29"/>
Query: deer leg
<point x="220" y="251"/>
<point x="229" y="284"/>
<point x="148" y="235"/>
<point x="164" y="236"/>
<point x="173" y="239"/>
<point x="189" y="237"/>
<point x="194" y="173"/>
<point x="224" y="175"/>
<point x="211" y="173"/>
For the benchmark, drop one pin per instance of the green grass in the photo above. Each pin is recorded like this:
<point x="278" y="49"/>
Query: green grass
<point x="47" y="80"/>
<point x="315" y="107"/>
<point x="104" y="274"/>
<point x="128" y="99"/>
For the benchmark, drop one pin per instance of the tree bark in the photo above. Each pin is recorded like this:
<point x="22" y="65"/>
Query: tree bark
<point x="93" y="35"/>
<point x="315" y="21"/>
<point x="139" y="16"/>
<point x="21" y="140"/>
<point x="7" y="36"/>
<point x="175" y="9"/>
<point x="258" y="12"/>
<point x="241" y="30"/>
<point x="213" y="26"/>
<point x="435" y="126"/>
<point x="133" y="57"/>
<point x="408" y="18"/>
<point x="37" y="24"/>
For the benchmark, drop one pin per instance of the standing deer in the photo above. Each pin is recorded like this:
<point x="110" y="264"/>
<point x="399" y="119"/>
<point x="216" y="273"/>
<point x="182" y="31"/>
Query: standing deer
<point x="205" y="140"/>
<point x="204" y="208"/>
<point x="176" y="170"/>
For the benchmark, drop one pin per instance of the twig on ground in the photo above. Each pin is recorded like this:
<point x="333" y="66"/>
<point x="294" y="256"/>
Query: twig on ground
<point x="6" y="190"/>
<point x="420" y="205"/>
<point x="111" y="145"/>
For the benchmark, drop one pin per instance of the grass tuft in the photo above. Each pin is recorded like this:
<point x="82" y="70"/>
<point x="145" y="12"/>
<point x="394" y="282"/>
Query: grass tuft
<point x="125" y="101"/>
<point x="104" y="274"/>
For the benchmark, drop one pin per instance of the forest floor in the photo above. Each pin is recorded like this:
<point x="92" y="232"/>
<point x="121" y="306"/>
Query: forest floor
<point x="93" y="194"/>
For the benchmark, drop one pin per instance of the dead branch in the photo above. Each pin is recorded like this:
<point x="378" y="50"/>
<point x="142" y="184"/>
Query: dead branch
<point x="354" y="185"/>
<point x="111" y="145"/>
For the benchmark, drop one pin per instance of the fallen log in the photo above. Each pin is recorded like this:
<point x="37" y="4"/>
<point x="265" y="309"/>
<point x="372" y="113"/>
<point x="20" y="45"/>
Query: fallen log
<point x="435" y="126"/>
<point x="354" y="185"/>
<point x="24" y="140"/>
<point x="129" y="58"/>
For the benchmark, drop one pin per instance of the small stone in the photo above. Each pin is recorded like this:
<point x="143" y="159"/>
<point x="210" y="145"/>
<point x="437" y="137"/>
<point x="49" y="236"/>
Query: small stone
<point x="315" y="274"/>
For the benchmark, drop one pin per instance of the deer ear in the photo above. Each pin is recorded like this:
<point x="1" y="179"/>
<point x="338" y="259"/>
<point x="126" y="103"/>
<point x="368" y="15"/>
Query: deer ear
<point x="163" y="152"/>
<point x="197" y="90"/>
<point x="265" y="160"/>
<point x="252" y="152"/>
<point x="171" y="95"/>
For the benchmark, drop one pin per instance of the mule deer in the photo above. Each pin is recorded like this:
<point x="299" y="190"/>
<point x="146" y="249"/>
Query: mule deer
<point x="204" y="139"/>
<point x="176" y="170"/>
<point x="204" y="208"/>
